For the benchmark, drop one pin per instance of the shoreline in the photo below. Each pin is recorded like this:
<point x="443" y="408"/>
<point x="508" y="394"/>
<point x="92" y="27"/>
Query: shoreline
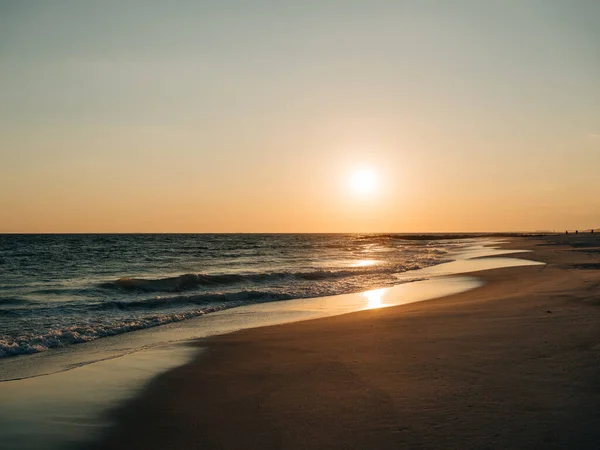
<point x="482" y="368"/>
<point x="61" y="359"/>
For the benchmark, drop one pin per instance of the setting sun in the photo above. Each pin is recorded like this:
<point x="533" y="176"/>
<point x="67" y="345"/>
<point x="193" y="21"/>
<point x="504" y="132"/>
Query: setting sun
<point x="364" y="181"/>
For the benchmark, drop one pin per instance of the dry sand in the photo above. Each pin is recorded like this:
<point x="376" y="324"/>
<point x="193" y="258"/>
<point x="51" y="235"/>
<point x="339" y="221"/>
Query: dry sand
<point x="514" y="364"/>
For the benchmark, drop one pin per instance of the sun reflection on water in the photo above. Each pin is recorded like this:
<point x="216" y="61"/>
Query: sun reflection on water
<point x="375" y="298"/>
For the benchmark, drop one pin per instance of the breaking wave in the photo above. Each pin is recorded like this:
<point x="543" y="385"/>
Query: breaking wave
<point x="192" y="281"/>
<point x="201" y="299"/>
<point x="62" y="337"/>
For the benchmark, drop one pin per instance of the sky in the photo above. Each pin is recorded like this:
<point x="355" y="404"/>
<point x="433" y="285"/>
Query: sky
<point x="238" y="116"/>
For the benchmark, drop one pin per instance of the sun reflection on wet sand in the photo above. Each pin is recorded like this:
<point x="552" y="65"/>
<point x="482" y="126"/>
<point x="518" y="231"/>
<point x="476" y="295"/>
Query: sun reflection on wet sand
<point x="364" y="263"/>
<point x="375" y="298"/>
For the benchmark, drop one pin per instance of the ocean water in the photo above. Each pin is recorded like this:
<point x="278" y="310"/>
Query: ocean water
<point x="60" y="290"/>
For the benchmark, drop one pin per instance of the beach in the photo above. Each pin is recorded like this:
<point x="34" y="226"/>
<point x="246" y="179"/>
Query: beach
<point x="299" y="225"/>
<point x="511" y="364"/>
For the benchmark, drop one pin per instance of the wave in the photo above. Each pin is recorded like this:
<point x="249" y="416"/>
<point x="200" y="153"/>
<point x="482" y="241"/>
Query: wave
<point x="227" y="300"/>
<point x="54" y="291"/>
<point x="85" y="310"/>
<point x="13" y="301"/>
<point x="76" y="334"/>
<point x="192" y="281"/>
<point x="62" y="337"/>
<point x="202" y="299"/>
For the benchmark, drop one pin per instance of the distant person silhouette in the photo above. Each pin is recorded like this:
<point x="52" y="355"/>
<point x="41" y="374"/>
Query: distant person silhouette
<point x="567" y="232"/>
<point x="576" y="231"/>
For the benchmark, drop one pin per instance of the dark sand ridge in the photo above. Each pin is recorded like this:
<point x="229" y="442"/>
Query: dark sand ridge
<point x="513" y="364"/>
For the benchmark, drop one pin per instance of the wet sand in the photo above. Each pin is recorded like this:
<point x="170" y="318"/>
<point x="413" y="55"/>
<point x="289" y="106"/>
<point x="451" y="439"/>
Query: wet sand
<point x="512" y="364"/>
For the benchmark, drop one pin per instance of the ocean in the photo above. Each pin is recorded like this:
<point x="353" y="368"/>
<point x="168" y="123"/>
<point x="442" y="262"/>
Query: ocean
<point x="61" y="290"/>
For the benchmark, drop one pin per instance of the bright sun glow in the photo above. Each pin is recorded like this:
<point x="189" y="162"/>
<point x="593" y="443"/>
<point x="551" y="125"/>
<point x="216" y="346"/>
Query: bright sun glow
<point x="364" y="181"/>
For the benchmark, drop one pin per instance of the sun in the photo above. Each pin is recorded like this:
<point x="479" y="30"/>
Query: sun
<point x="364" y="181"/>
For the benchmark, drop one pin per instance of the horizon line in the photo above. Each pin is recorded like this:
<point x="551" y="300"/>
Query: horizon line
<point x="284" y="232"/>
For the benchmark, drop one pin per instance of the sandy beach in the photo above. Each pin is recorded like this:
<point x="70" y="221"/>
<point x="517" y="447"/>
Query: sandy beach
<point x="512" y="364"/>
